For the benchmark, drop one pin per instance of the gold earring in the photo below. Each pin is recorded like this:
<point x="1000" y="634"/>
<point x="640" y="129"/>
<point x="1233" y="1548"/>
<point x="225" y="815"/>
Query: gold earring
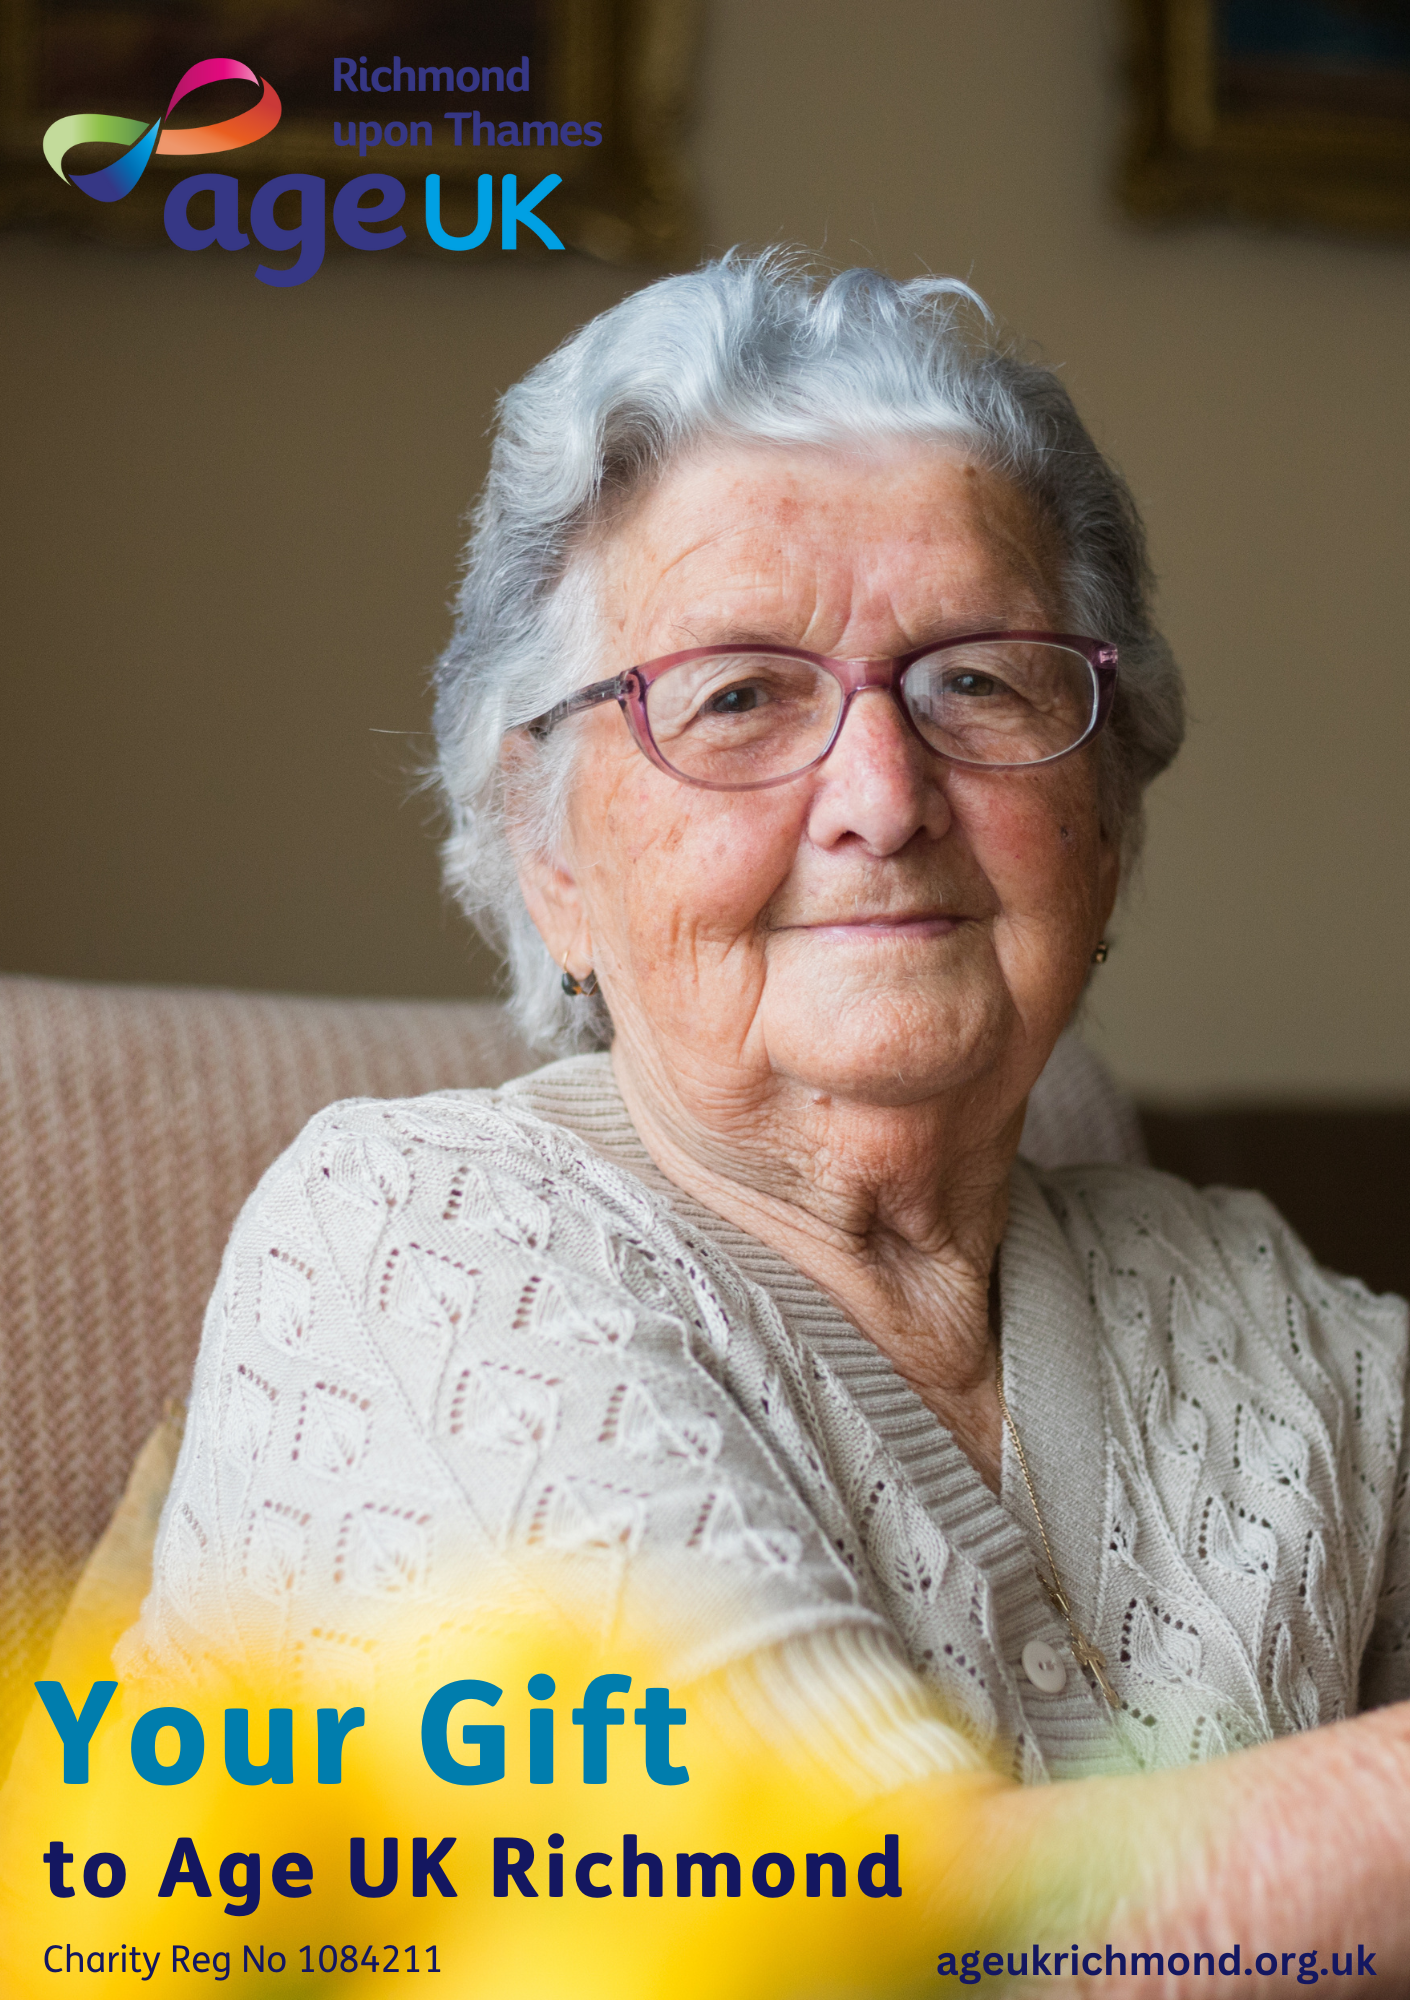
<point x="575" y="988"/>
<point x="1102" y="953"/>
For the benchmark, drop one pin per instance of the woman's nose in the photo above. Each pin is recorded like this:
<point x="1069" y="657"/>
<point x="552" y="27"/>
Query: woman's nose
<point x="879" y="783"/>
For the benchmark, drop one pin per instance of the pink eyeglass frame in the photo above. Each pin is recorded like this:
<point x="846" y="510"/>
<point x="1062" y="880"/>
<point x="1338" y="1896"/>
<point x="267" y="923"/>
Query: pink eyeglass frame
<point x="629" y="691"/>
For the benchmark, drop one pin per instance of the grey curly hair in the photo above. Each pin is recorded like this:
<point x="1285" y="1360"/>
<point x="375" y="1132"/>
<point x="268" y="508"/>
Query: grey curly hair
<point x="745" y="349"/>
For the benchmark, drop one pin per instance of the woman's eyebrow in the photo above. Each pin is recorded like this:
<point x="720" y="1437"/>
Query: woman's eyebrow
<point x="698" y="630"/>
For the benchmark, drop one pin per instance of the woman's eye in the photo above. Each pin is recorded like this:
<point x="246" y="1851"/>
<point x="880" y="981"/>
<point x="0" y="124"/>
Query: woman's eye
<point x="971" y="684"/>
<point x="734" y="701"/>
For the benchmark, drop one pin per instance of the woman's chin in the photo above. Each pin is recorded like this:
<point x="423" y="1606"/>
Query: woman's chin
<point x="892" y="1051"/>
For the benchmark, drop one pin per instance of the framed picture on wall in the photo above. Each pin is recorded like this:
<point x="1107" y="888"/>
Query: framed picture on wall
<point x="1292" y="111"/>
<point x="592" y="90"/>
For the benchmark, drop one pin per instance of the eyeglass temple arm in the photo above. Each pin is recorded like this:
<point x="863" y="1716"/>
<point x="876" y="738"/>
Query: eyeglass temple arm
<point x="585" y="697"/>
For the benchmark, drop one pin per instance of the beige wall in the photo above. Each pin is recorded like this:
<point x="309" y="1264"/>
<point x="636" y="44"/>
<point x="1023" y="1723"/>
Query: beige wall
<point x="234" y="521"/>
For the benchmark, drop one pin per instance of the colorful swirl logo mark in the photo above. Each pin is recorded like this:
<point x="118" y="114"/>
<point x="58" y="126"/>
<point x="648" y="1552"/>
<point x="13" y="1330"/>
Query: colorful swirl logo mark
<point x="112" y="182"/>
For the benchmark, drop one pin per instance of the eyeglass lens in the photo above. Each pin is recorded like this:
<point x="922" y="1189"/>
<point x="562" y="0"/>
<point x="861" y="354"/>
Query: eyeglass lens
<point x="746" y="718"/>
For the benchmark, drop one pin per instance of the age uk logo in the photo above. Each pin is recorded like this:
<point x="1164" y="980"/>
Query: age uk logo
<point x="362" y="209"/>
<point x="112" y="182"/>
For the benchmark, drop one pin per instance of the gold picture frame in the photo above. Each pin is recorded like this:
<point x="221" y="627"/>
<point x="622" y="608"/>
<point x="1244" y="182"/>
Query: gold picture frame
<point x="625" y="63"/>
<point x="1316" y="133"/>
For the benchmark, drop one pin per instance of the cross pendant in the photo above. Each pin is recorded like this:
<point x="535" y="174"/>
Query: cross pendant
<point x="1089" y="1655"/>
<point x="1083" y="1651"/>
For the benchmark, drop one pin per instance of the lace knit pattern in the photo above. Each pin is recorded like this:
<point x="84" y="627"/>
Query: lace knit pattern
<point x="456" y="1331"/>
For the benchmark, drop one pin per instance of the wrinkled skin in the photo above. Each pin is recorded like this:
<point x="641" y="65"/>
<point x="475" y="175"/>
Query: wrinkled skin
<point x="831" y="998"/>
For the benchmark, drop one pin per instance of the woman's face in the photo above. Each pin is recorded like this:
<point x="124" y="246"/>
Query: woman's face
<point x="887" y="927"/>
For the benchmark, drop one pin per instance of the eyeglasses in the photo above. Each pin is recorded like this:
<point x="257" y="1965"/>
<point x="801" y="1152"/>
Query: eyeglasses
<point x="738" y="718"/>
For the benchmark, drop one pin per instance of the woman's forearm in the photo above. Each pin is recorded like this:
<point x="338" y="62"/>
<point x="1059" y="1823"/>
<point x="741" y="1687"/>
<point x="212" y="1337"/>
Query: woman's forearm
<point x="1298" y="1846"/>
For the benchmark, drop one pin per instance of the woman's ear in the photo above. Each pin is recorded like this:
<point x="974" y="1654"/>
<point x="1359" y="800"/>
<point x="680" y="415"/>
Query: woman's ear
<point x="1109" y="879"/>
<point x="1107" y="893"/>
<point x="547" y="881"/>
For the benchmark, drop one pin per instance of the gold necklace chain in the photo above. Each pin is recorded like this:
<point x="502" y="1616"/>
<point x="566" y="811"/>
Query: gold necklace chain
<point x="1085" y="1653"/>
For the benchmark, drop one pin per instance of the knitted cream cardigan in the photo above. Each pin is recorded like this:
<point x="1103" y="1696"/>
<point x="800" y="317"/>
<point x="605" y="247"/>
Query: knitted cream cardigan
<point x="454" y="1331"/>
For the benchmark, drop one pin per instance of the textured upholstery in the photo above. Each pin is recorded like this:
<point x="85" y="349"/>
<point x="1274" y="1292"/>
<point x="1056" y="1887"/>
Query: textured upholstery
<point x="133" y="1123"/>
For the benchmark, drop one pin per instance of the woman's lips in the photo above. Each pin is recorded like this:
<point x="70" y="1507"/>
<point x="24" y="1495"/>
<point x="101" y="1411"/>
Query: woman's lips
<point x="923" y="924"/>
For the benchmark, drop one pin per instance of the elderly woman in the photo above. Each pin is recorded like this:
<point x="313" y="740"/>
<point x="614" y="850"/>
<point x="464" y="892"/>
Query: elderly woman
<point x="794" y="733"/>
